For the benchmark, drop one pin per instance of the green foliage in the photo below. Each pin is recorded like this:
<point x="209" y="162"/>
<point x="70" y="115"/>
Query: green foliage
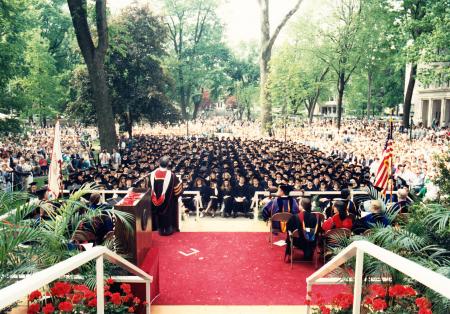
<point x="424" y="28"/>
<point x="198" y="57"/>
<point x="26" y="246"/>
<point x="137" y="77"/>
<point x="80" y="106"/>
<point x="41" y="85"/>
<point x="298" y="78"/>
<point x="10" y="126"/>
<point x="424" y="239"/>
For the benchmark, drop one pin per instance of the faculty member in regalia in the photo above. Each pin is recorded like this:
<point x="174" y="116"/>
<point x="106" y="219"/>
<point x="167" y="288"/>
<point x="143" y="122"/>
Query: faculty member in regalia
<point x="165" y="190"/>
<point x="283" y="203"/>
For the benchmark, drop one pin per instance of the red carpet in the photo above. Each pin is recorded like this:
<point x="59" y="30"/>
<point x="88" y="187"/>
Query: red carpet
<point x="232" y="268"/>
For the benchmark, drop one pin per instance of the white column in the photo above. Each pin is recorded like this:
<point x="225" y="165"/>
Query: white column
<point x="357" y="289"/>
<point x="100" y="289"/>
<point x="430" y="112"/>
<point x="443" y="112"/>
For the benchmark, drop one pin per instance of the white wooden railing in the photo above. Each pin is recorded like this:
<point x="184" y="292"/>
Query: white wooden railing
<point x="425" y="276"/>
<point x="20" y="289"/>
<point x="197" y="200"/>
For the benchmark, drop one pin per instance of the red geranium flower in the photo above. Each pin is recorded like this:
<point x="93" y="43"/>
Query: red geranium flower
<point x="425" y="311"/>
<point x="131" y="309"/>
<point x="90" y="295"/>
<point x="368" y="301"/>
<point x="126" y="288"/>
<point x="48" y="308"/>
<point x="116" y="299"/>
<point x="34" y="295"/>
<point x="127" y="297"/>
<point x="81" y="288"/>
<point x="106" y="288"/>
<point x="343" y="300"/>
<point x="60" y="289"/>
<point x="378" y="290"/>
<point x="65" y="306"/>
<point x="136" y="300"/>
<point x="77" y="298"/>
<point x="423" y="303"/>
<point x="109" y="281"/>
<point x="325" y="310"/>
<point x="379" y="304"/>
<point x="409" y="291"/>
<point x="33" y="308"/>
<point x="92" y="302"/>
<point x="401" y="291"/>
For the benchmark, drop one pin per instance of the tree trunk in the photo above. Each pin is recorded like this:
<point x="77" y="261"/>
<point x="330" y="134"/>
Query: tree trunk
<point x="341" y="86"/>
<point x="311" y="113"/>
<point x="94" y="58"/>
<point x="409" y="94"/>
<point x="369" y="92"/>
<point x="265" y="55"/>
<point x="266" y="108"/>
<point x="266" y="45"/>
<point x="249" y="112"/>
<point x="182" y="94"/>
<point x="105" y="119"/>
<point x="130" y="127"/>
<point x="195" y="113"/>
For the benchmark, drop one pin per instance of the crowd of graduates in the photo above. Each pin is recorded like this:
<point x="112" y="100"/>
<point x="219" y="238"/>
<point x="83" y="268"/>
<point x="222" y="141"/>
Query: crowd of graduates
<point x="228" y="168"/>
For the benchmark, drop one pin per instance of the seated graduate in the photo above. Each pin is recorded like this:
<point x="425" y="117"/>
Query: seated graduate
<point x="200" y="186"/>
<point x="403" y="203"/>
<point x="375" y="216"/>
<point x="226" y="198"/>
<point x="188" y="200"/>
<point x="283" y="203"/>
<point x="307" y="224"/>
<point x="349" y="204"/>
<point x="241" y="198"/>
<point x="340" y="219"/>
<point x="213" y="199"/>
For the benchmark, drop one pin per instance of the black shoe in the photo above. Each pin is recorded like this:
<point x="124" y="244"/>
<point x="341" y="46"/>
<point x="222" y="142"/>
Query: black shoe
<point x="234" y="215"/>
<point x="226" y="215"/>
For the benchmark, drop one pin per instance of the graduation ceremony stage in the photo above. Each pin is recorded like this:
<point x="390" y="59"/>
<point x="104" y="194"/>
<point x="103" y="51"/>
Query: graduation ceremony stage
<point x="228" y="269"/>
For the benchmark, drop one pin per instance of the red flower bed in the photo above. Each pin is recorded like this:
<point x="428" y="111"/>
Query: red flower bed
<point x="380" y="299"/>
<point x="67" y="298"/>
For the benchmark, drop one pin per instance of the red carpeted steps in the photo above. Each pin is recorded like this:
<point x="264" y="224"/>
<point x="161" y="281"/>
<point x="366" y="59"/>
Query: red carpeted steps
<point x="230" y="268"/>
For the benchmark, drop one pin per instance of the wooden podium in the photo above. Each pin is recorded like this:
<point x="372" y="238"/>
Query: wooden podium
<point x="138" y="242"/>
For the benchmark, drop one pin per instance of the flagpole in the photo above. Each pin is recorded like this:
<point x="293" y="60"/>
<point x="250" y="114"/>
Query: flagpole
<point x="390" y="159"/>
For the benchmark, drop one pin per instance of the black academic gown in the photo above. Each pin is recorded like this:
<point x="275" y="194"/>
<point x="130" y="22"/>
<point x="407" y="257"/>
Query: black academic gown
<point x="241" y="191"/>
<point x="165" y="215"/>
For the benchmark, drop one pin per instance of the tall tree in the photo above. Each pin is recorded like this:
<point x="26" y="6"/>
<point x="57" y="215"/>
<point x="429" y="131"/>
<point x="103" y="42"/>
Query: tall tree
<point x="413" y="11"/>
<point x="94" y="56"/>
<point x="137" y="78"/>
<point x="297" y="77"/>
<point x="189" y="22"/>
<point x="424" y="25"/>
<point x="342" y="51"/>
<point x="378" y="81"/>
<point x="41" y="85"/>
<point x="14" y="21"/>
<point x="266" y="46"/>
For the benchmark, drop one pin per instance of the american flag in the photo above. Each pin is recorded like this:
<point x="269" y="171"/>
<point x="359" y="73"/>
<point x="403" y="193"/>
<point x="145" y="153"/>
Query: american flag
<point x="385" y="168"/>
